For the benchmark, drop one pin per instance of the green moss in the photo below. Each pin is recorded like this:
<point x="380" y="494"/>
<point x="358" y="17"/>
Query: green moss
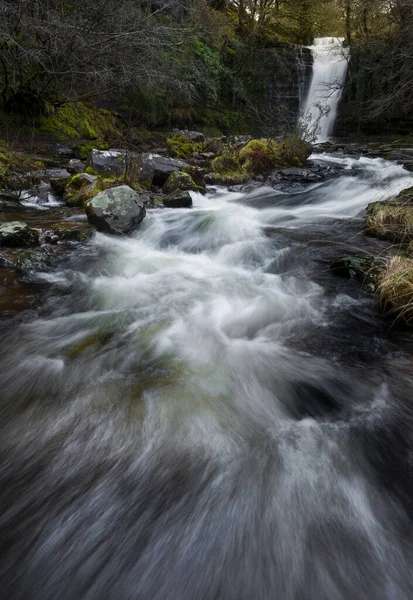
<point x="78" y="190"/>
<point x="180" y="181"/>
<point x="231" y="178"/>
<point x="261" y="156"/>
<point x="84" y="150"/>
<point x="79" y="120"/>
<point x="90" y="171"/>
<point x="182" y="147"/>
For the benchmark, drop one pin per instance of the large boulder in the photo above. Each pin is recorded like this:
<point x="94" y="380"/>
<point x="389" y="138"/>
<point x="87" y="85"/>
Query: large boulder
<point x="178" y="199"/>
<point x="157" y="168"/>
<point x="179" y="181"/>
<point x="107" y="162"/>
<point x="118" y="210"/>
<point x="17" y="233"/>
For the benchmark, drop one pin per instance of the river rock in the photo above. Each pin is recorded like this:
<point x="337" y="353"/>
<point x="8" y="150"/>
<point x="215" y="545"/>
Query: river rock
<point x="194" y="136"/>
<point x="179" y="181"/>
<point x="178" y="199"/>
<point x="107" y="162"/>
<point x="32" y="261"/>
<point x="48" y="174"/>
<point x="157" y="168"/>
<point x="17" y="233"/>
<point x="118" y="210"/>
<point x="9" y="202"/>
<point x="76" y="166"/>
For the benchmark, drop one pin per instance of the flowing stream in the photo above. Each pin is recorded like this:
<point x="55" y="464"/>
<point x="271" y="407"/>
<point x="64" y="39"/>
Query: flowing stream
<point x="204" y="411"/>
<point x="329" y="73"/>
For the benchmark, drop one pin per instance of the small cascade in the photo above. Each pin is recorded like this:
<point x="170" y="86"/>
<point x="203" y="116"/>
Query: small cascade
<point x="329" y="73"/>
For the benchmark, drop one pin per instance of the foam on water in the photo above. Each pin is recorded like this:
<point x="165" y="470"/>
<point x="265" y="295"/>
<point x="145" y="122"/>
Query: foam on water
<point x="169" y="432"/>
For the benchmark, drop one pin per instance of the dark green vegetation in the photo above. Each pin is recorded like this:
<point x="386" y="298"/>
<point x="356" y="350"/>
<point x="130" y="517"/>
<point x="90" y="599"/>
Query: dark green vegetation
<point x="224" y="66"/>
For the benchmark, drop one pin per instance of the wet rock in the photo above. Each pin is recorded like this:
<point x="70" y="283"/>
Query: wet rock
<point x="157" y="168"/>
<point x="107" y="162"/>
<point x="5" y="262"/>
<point x="179" y="181"/>
<point x="51" y="174"/>
<point x="178" y="199"/>
<point x="9" y="202"/>
<point x="352" y="266"/>
<point x="76" y="166"/>
<point x="32" y="261"/>
<point x="71" y="232"/>
<point x="64" y="150"/>
<point x="117" y="210"/>
<point x="48" y="236"/>
<point x="215" y="146"/>
<point x="17" y="233"/>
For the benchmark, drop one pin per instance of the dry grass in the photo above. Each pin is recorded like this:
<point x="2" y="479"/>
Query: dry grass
<point x="395" y="288"/>
<point x="390" y="221"/>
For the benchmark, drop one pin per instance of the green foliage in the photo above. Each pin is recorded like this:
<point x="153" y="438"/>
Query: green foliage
<point x="293" y="150"/>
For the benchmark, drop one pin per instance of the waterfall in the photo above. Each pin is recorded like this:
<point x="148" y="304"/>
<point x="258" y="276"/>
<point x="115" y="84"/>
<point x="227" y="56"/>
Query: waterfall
<point x="329" y="72"/>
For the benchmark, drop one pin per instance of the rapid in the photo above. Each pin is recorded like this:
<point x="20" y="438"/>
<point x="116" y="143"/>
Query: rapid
<point x="203" y="411"/>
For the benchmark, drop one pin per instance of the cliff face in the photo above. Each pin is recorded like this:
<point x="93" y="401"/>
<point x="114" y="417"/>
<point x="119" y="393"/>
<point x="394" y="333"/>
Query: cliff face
<point x="277" y="85"/>
<point x="365" y="107"/>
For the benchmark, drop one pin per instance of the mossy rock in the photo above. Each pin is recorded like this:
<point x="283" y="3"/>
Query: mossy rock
<point x="260" y="157"/>
<point x="179" y="181"/>
<point x="79" y="189"/>
<point x="229" y="178"/>
<point x="17" y="233"/>
<point x="28" y="262"/>
<point x="182" y="147"/>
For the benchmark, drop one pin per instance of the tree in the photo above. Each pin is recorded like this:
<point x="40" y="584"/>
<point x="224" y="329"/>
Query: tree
<point x="52" y="51"/>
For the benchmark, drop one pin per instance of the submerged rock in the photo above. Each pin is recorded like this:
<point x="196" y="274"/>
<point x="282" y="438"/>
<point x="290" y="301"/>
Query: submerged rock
<point x="17" y="233"/>
<point x="118" y="210"/>
<point x="178" y="199"/>
<point x="353" y="266"/>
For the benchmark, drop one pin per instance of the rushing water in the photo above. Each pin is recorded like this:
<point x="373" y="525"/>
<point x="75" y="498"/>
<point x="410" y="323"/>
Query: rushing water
<point x="203" y="411"/>
<point x="329" y="73"/>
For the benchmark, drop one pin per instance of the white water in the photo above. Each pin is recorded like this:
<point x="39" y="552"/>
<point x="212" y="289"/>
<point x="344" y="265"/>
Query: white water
<point x="163" y="433"/>
<point x="329" y="73"/>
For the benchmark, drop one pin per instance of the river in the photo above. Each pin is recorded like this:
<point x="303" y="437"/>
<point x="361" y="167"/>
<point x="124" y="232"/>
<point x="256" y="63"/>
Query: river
<point x="204" y="411"/>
